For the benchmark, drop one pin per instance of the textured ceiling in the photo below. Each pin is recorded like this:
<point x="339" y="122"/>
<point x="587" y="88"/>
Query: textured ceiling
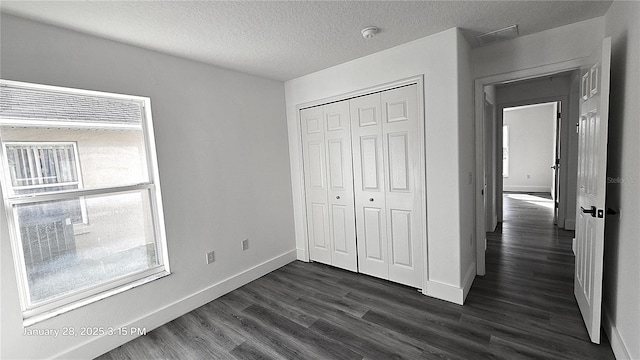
<point x="286" y="39"/>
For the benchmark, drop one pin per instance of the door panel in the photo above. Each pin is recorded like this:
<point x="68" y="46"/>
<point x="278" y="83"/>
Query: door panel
<point x="401" y="241"/>
<point x="592" y="164"/>
<point x="402" y="138"/>
<point x="398" y="166"/>
<point x="340" y="228"/>
<point x="313" y="152"/>
<point x="373" y="234"/>
<point x="336" y="164"/>
<point x="372" y="243"/>
<point x="371" y="224"/>
<point x="319" y="225"/>
<point x="368" y="116"/>
<point x="370" y="148"/>
<point x="340" y="190"/>
<point x="396" y="110"/>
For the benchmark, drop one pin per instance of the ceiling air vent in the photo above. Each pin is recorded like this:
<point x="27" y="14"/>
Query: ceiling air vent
<point x="509" y="32"/>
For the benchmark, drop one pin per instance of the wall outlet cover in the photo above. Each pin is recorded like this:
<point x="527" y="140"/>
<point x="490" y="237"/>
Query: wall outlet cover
<point x="211" y="257"/>
<point x="245" y="244"/>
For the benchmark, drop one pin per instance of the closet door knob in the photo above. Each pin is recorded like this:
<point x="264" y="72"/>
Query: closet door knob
<point x="338" y="197"/>
<point x="370" y="199"/>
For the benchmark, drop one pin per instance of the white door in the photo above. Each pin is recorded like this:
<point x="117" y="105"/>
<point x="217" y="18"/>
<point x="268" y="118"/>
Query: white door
<point x="326" y="139"/>
<point x="371" y="222"/>
<point x="401" y="145"/>
<point x="315" y="178"/>
<point x="592" y="166"/>
<point x="340" y="186"/>
<point x="386" y="142"/>
<point x="555" y="173"/>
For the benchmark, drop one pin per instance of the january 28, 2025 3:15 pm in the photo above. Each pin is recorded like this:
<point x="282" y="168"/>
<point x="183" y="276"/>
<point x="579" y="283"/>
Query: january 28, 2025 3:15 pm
<point x="87" y="331"/>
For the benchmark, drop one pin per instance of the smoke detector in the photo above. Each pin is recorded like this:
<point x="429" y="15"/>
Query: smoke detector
<point x="369" y="32"/>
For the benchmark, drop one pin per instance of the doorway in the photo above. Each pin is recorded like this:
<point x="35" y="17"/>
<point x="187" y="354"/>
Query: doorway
<point x="554" y="83"/>
<point x="531" y="150"/>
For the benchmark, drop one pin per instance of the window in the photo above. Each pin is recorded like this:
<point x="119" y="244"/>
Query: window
<point x="505" y="150"/>
<point x="80" y="185"/>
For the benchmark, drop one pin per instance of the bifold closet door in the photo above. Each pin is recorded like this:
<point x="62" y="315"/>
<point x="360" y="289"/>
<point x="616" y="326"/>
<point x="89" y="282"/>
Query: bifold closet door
<point x="403" y="176"/>
<point x="387" y="181"/>
<point x="368" y="165"/>
<point x="326" y="138"/>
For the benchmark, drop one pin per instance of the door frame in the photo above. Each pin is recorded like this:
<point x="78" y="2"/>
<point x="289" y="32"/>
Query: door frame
<point x="417" y="80"/>
<point x="479" y="84"/>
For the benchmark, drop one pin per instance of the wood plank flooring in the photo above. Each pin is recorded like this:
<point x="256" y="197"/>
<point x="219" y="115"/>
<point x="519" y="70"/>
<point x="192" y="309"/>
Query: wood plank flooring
<point x="522" y="309"/>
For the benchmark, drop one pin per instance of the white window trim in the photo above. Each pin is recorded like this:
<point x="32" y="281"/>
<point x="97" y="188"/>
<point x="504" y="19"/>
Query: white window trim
<point x="508" y="141"/>
<point x="48" y="309"/>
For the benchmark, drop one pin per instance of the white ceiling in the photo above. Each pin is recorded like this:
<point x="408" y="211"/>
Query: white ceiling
<point x="286" y="39"/>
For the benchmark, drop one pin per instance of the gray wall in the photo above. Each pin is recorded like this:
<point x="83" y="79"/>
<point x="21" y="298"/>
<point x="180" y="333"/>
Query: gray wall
<point x="222" y="147"/>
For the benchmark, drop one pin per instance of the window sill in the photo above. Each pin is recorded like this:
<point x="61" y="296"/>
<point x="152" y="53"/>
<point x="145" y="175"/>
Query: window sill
<point x="34" y="319"/>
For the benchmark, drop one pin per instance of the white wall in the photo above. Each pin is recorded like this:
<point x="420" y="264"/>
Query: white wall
<point x="223" y="157"/>
<point x="530" y="147"/>
<point x="552" y="46"/>
<point x="622" y="248"/>
<point x="466" y="166"/>
<point x="436" y="58"/>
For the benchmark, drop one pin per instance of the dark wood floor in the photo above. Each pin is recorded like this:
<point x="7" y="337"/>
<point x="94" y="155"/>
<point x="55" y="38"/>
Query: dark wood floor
<point x="523" y="308"/>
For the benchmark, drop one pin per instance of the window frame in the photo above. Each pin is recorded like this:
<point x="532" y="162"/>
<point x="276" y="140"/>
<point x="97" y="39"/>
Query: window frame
<point x="506" y="140"/>
<point x="33" y="313"/>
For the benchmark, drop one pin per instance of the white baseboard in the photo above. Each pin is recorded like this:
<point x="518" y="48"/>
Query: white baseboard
<point x="100" y="345"/>
<point x="445" y="292"/>
<point x="301" y="255"/>
<point x="452" y="293"/>
<point x="527" y="188"/>
<point x="620" y="350"/>
<point x="467" y="281"/>
<point x="569" y="224"/>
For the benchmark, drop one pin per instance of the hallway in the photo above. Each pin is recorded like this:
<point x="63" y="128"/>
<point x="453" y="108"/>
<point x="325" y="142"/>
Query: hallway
<point x="530" y="269"/>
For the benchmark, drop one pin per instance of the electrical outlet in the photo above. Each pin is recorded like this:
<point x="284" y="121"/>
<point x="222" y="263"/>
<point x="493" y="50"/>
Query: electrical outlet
<point x="210" y="257"/>
<point x="245" y="244"/>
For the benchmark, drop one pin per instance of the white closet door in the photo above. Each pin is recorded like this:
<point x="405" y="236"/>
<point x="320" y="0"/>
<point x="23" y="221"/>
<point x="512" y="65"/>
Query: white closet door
<point x="401" y="144"/>
<point x="340" y="186"/>
<point x="315" y="177"/>
<point x="368" y="165"/>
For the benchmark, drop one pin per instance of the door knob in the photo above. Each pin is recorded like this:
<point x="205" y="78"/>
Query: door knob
<point x="338" y="197"/>
<point x="370" y="199"/>
<point x="591" y="211"/>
